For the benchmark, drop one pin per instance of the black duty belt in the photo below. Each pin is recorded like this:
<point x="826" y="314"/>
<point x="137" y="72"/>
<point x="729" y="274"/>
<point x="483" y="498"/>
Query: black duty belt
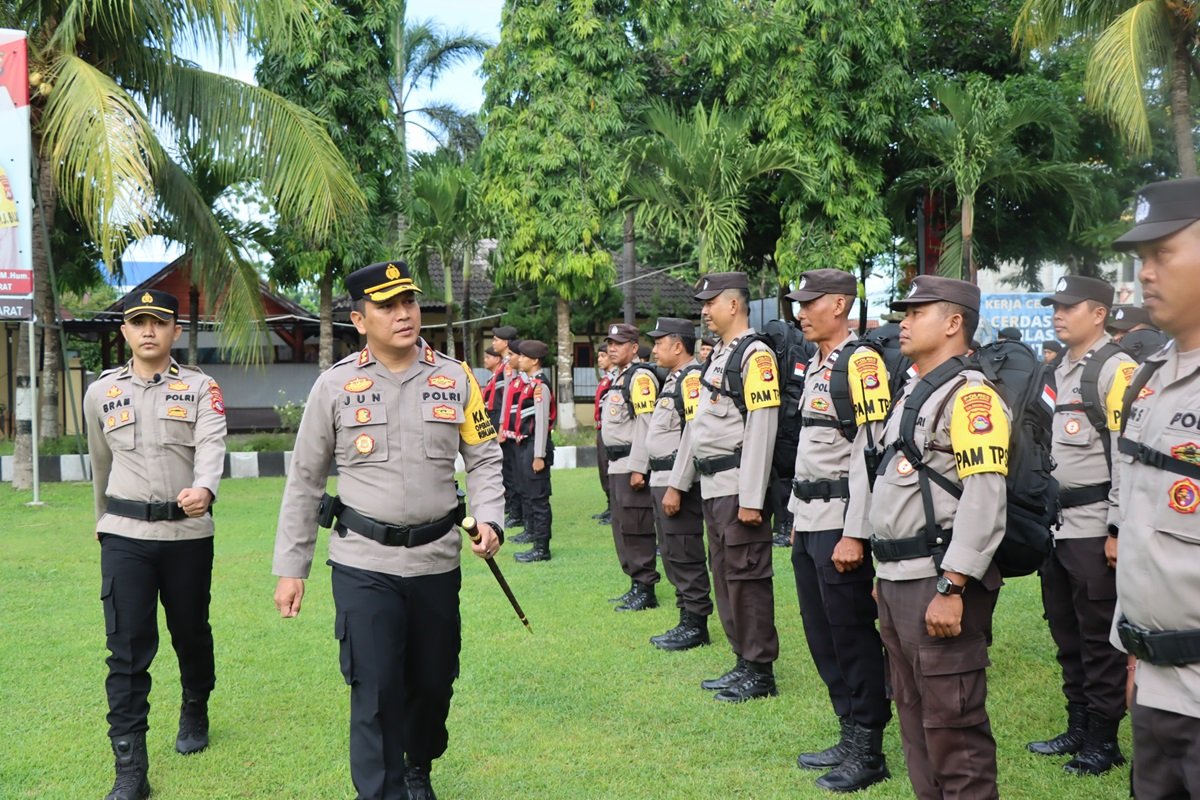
<point x="617" y="451"/>
<point x="913" y="547"/>
<point x="1083" y="495"/>
<point x="148" y="512"/>
<point x="385" y="533"/>
<point x="1161" y="648"/>
<point x="662" y="464"/>
<point x="715" y="464"/>
<point x="807" y="491"/>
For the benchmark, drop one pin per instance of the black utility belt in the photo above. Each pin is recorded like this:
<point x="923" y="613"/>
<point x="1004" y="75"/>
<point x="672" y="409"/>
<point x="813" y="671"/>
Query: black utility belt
<point x="391" y="535"/>
<point x="147" y="512"/>
<point x="807" y="491"/>
<point x="662" y="464"/>
<point x="715" y="464"/>
<point x="1083" y="495"/>
<point x="617" y="451"/>
<point x="1161" y="648"/>
<point x="922" y="546"/>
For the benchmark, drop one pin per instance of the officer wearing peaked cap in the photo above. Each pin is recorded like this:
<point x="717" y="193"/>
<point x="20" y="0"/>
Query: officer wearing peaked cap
<point x="1078" y="581"/>
<point x="935" y="615"/>
<point x="728" y="447"/>
<point x="392" y="417"/>
<point x="1158" y="597"/>
<point x="156" y="434"/>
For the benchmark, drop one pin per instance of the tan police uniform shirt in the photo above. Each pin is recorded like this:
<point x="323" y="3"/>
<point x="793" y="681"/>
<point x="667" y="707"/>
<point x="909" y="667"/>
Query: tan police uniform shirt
<point x="963" y="433"/>
<point x="719" y="429"/>
<point x="1077" y="448"/>
<point x="666" y="427"/>
<point x="148" y="441"/>
<point x="624" y="428"/>
<point x="1157" y="584"/>
<point x="394" y="437"/>
<point x="823" y="453"/>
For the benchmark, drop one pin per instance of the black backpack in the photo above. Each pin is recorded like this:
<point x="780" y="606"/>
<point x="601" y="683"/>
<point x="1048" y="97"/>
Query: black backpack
<point x="1027" y="387"/>
<point x="1144" y="343"/>
<point x="653" y="370"/>
<point x="886" y="344"/>
<point x="677" y="397"/>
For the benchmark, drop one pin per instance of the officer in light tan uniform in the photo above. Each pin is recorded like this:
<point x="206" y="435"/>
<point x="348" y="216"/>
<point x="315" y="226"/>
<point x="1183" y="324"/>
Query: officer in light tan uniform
<point x="628" y="404"/>
<point x="729" y="450"/>
<point x="1079" y="587"/>
<point x="392" y="417"/>
<point x="830" y="558"/>
<point x="1158" y="595"/>
<point x="156" y="435"/>
<point x="681" y="537"/>
<point x="935" y="616"/>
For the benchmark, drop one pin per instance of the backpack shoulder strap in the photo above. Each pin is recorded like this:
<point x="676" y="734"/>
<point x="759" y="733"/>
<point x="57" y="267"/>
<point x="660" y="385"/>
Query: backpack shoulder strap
<point x="626" y="385"/>
<point x="732" y="385"/>
<point x="680" y="400"/>
<point x="1140" y="379"/>
<point x="839" y="386"/>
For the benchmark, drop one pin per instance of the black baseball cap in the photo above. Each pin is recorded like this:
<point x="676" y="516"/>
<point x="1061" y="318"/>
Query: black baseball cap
<point x="936" y="289"/>
<point x="714" y="283"/>
<point x="824" y="281"/>
<point x="153" y="302"/>
<point x="1012" y="334"/>
<point x="381" y="281"/>
<point x="1072" y="289"/>
<point x="1124" y="318"/>
<point x="667" y="326"/>
<point x="1162" y="209"/>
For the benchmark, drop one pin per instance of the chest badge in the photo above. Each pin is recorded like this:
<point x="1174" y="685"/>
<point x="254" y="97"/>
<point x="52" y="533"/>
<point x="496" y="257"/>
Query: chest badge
<point x="177" y="412"/>
<point x="979" y="406"/>
<point x="442" y="382"/>
<point x="819" y="404"/>
<point x="444" y="412"/>
<point x="903" y="466"/>
<point x="178" y="386"/>
<point x="1072" y="427"/>
<point x="113" y="391"/>
<point x="1189" y="453"/>
<point x="359" y="384"/>
<point x="1184" y="496"/>
<point x="364" y="444"/>
<point x="362" y="416"/>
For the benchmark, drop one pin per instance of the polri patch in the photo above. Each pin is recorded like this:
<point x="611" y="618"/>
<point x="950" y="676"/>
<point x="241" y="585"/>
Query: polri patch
<point x="1184" y="496"/>
<point x="362" y="416"/>
<point x="978" y="406"/>
<point x="364" y="444"/>
<point x="216" y="397"/>
<point x="1072" y="427"/>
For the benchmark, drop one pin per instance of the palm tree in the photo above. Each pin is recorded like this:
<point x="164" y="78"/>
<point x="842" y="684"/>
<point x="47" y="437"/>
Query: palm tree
<point x="971" y="140"/>
<point x="111" y="84"/>
<point x="689" y="175"/>
<point x="1137" y="43"/>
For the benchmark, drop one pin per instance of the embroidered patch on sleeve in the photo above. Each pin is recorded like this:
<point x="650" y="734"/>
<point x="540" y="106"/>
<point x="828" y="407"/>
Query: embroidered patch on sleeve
<point x="643" y="394"/>
<point x="1116" y="394"/>
<point x="869" y="388"/>
<point x="979" y="432"/>
<point x="690" y="389"/>
<point x="477" y="426"/>
<point x="761" y="382"/>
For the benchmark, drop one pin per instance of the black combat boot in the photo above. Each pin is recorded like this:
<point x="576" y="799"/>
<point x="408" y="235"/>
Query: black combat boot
<point x="643" y="597"/>
<point x="525" y="537"/>
<point x="625" y="597"/>
<point x="193" y="724"/>
<point x="416" y="781"/>
<point x="1100" y="751"/>
<point x="728" y="679"/>
<point x="864" y="766"/>
<point x="539" y="552"/>
<point x="692" y="631"/>
<point x="1069" y="741"/>
<point x="513" y="521"/>
<point x="605" y="518"/>
<point x="757" y="681"/>
<point x="602" y="514"/>
<point x="830" y="756"/>
<point x="132" y="765"/>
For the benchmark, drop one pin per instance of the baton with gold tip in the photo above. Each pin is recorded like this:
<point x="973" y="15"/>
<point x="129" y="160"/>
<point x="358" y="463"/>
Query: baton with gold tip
<point x="472" y="528"/>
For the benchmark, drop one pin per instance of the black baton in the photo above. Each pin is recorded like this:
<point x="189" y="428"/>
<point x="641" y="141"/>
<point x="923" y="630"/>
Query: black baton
<point x="472" y="529"/>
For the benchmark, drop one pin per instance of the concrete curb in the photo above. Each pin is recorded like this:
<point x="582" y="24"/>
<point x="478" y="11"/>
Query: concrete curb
<point x="55" y="469"/>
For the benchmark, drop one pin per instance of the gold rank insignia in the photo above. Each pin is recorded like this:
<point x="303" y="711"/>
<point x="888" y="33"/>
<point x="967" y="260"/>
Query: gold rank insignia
<point x="111" y="421"/>
<point x="362" y="416"/>
<point x="444" y="412"/>
<point x="429" y="356"/>
<point x="1184" y="496"/>
<point x="364" y="356"/>
<point x="177" y="412"/>
<point x="124" y="416"/>
<point x="392" y="272"/>
<point x="364" y="444"/>
<point x="359" y="384"/>
<point x="147" y="298"/>
<point x="979" y="407"/>
<point x="178" y="386"/>
<point x="442" y="382"/>
<point x="114" y="391"/>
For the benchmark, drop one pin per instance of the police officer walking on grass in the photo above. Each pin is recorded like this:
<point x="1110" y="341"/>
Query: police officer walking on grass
<point x="628" y="405"/>
<point x="937" y="589"/>
<point x="1079" y="587"/>
<point x="156" y="435"/>
<point x="535" y="449"/>
<point x="681" y="537"/>
<point x="393" y="417"/>
<point x="1158" y="596"/>
<point x="729" y="451"/>
<point x="830" y="557"/>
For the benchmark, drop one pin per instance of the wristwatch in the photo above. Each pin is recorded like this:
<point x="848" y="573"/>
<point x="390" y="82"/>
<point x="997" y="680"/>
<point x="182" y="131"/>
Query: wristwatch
<point x="948" y="587"/>
<point x="499" y="532"/>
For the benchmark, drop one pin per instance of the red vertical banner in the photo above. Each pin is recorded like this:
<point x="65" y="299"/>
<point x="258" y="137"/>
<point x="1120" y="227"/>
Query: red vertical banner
<point x="16" y="191"/>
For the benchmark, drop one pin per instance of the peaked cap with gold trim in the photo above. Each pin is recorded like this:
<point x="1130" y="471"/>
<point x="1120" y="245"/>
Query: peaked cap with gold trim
<point x="380" y="282"/>
<point x="155" y="303"/>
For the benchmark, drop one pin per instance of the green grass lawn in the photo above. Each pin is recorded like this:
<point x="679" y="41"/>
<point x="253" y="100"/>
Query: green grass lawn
<point x="584" y="708"/>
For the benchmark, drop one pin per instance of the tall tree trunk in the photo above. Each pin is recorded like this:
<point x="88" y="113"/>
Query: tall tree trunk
<point x="447" y="260"/>
<point x="1181" y="108"/>
<point x="470" y="356"/>
<point x="193" y="356"/>
<point x="566" y="379"/>
<point x="968" y="232"/>
<point x="630" y="270"/>
<point x="325" y="349"/>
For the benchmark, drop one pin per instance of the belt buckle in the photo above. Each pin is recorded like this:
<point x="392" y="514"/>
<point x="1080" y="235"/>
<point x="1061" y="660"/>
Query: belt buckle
<point x="157" y="512"/>
<point x="397" y="535"/>
<point x="1134" y="640"/>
